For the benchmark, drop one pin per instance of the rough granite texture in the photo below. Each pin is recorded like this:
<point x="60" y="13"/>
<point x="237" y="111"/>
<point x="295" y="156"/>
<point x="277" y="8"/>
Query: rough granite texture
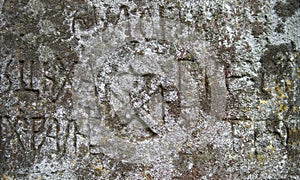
<point x="118" y="89"/>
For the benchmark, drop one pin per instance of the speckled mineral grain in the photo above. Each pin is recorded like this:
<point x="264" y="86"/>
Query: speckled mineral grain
<point x="120" y="89"/>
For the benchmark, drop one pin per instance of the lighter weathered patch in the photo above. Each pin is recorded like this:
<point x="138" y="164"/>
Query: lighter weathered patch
<point x="148" y="99"/>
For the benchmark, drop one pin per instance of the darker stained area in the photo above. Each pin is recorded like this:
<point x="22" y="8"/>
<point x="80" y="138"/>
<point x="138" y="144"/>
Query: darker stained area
<point x="275" y="59"/>
<point x="280" y="63"/>
<point x="287" y="9"/>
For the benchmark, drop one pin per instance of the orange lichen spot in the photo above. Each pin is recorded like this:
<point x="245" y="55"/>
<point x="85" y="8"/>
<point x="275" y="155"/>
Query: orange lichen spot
<point x="285" y="108"/>
<point x="263" y="102"/>
<point x="288" y="85"/>
<point x="295" y="109"/>
<point x="19" y="26"/>
<point x="294" y="136"/>
<point x="18" y="53"/>
<point x="247" y="126"/>
<point x="105" y="138"/>
<point x="260" y="158"/>
<point x="270" y="147"/>
<point x="259" y="108"/>
<point x="278" y="91"/>
<point x="4" y="176"/>
<point x="266" y="89"/>
<point x="147" y="175"/>
<point x="282" y="107"/>
<point x="98" y="168"/>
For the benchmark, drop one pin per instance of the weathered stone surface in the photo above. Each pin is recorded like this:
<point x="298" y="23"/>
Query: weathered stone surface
<point x="149" y="90"/>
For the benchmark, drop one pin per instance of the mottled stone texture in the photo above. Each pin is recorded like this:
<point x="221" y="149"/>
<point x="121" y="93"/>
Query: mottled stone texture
<point x="121" y="89"/>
